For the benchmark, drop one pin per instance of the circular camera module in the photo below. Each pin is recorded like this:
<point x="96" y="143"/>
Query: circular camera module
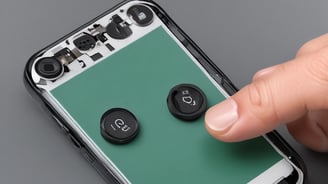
<point x="141" y="14"/>
<point x="49" y="68"/>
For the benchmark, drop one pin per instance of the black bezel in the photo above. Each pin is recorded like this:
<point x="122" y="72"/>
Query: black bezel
<point x="203" y="59"/>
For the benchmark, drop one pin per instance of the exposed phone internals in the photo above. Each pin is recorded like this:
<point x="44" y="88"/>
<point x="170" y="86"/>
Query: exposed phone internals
<point x="130" y="88"/>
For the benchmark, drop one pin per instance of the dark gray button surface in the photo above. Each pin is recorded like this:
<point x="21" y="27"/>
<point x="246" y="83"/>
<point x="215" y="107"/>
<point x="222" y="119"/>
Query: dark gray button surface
<point x="186" y="102"/>
<point x="119" y="126"/>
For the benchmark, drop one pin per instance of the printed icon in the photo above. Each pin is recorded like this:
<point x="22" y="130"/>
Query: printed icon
<point x="185" y="92"/>
<point x="82" y="63"/>
<point x="186" y="98"/>
<point x="120" y="124"/>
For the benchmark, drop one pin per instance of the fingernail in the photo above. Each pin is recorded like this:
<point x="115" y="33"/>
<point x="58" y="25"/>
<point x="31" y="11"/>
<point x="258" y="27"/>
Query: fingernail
<point x="222" y="116"/>
<point x="264" y="72"/>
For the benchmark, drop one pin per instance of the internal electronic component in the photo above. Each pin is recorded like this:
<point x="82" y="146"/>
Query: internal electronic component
<point x="85" y="42"/>
<point x="118" y="28"/>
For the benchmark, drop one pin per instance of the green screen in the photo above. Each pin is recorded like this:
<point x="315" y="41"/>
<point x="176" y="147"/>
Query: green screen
<point x="167" y="150"/>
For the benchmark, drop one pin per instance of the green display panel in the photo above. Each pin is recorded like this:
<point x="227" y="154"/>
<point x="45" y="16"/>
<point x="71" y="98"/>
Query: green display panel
<point x="167" y="150"/>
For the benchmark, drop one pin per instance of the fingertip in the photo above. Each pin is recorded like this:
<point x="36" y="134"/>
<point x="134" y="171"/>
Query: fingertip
<point x="222" y="116"/>
<point x="238" y="118"/>
<point x="224" y="122"/>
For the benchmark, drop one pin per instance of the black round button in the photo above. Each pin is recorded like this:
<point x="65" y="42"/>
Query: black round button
<point x="186" y="102"/>
<point x="119" y="126"/>
<point x="49" y="68"/>
<point x="142" y="15"/>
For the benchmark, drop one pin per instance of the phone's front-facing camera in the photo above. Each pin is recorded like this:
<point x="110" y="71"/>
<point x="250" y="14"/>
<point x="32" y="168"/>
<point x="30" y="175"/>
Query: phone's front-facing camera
<point x="49" y="68"/>
<point x="141" y="14"/>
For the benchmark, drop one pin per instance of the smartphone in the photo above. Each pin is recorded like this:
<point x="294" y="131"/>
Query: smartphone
<point x="130" y="89"/>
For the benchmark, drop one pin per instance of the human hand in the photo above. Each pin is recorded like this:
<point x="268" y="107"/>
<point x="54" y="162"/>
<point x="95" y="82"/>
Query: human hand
<point x="294" y="92"/>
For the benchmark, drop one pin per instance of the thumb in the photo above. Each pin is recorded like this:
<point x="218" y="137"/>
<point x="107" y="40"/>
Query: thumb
<point x="282" y="93"/>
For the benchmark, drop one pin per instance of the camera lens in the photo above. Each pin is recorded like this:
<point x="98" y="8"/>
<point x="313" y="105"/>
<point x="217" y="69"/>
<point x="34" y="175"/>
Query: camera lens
<point x="141" y="14"/>
<point x="49" y="68"/>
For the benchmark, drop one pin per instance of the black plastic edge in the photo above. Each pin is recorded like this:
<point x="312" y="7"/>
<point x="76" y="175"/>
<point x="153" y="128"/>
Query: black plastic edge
<point x="203" y="59"/>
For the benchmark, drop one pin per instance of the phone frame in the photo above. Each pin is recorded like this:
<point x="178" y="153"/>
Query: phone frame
<point x="273" y="137"/>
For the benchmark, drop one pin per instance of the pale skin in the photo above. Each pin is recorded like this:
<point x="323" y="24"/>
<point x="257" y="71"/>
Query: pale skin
<point x="294" y="93"/>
